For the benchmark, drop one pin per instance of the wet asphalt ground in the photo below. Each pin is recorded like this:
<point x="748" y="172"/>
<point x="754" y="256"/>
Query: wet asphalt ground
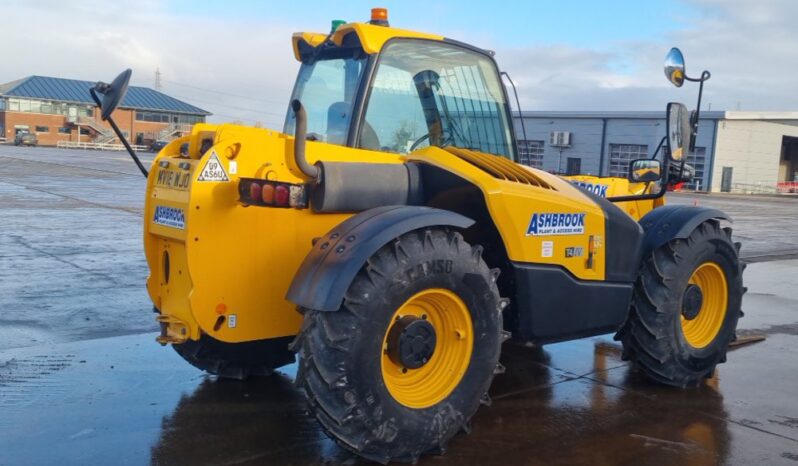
<point x="83" y="382"/>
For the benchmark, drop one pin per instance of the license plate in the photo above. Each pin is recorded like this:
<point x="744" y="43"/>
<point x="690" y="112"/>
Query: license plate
<point x="173" y="179"/>
<point x="170" y="217"/>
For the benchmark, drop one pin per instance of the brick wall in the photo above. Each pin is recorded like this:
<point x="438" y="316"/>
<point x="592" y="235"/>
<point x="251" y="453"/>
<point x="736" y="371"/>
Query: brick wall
<point x="125" y="119"/>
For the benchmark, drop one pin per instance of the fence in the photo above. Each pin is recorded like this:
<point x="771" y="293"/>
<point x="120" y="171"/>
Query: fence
<point x="765" y="188"/>
<point x="96" y="146"/>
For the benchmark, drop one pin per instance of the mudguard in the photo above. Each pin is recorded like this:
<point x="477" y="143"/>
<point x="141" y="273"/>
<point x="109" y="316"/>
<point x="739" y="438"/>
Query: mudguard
<point x="674" y="222"/>
<point x="336" y="257"/>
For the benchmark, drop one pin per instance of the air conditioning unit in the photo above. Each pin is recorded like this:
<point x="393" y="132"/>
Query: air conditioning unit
<point x="560" y="139"/>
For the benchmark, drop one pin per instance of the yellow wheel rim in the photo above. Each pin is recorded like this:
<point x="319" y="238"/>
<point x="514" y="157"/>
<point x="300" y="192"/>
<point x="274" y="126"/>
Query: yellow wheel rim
<point x="431" y="383"/>
<point x="702" y="330"/>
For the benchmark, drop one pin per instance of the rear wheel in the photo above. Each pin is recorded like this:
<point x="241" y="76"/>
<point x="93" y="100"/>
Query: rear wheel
<point x="236" y="360"/>
<point x="403" y="365"/>
<point x="685" y="307"/>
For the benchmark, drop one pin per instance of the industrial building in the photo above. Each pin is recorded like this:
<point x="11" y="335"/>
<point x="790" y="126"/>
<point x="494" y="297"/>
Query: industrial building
<point x="57" y="109"/>
<point x="735" y="151"/>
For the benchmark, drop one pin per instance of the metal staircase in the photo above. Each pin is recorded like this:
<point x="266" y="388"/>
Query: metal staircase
<point x="171" y="131"/>
<point x="104" y="135"/>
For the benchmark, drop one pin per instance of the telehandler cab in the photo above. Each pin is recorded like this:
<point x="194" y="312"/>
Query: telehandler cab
<point x="387" y="237"/>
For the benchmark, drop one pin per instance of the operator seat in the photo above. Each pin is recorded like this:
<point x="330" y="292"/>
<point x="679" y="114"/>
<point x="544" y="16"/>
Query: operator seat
<point x="337" y="119"/>
<point x="337" y="126"/>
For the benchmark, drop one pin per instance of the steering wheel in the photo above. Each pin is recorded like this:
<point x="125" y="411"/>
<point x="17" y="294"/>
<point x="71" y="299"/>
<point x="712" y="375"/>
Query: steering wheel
<point x="418" y="141"/>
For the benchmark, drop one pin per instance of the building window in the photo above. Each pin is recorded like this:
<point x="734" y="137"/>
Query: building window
<point x="622" y="154"/>
<point x="42" y="129"/>
<point x="13" y="105"/>
<point x="152" y="116"/>
<point x="2" y="104"/>
<point x="530" y="153"/>
<point x="85" y="131"/>
<point x="190" y="119"/>
<point x="65" y="130"/>
<point x="160" y="117"/>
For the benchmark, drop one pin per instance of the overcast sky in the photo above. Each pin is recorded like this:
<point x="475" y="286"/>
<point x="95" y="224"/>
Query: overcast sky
<point x="234" y="58"/>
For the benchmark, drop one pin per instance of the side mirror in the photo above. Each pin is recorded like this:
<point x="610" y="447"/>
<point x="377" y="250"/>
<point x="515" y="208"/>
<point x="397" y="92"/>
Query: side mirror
<point x="680" y="131"/>
<point x="112" y="93"/>
<point x="645" y="171"/>
<point x="674" y="67"/>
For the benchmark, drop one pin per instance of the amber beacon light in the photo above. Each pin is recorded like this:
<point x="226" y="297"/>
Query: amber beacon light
<point x="379" y="16"/>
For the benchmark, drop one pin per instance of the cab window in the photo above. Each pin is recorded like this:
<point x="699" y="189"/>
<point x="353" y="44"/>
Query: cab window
<point x="432" y="93"/>
<point x="327" y="87"/>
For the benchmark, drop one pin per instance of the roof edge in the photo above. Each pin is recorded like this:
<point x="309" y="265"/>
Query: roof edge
<point x="617" y="114"/>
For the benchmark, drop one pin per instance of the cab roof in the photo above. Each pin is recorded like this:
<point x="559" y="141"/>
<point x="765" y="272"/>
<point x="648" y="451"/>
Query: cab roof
<point x="371" y="38"/>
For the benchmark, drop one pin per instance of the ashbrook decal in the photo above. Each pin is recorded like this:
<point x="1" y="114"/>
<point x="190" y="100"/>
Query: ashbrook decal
<point x="556" y="224"/>
<point x="170" y="217"/>
<point x="597" y="189"/>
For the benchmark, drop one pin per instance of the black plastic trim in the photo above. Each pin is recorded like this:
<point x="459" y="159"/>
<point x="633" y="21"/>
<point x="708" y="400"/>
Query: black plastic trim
<point x="670" y="222"/>
<point x="330" y="267"/>
<point x="553" y="305"/>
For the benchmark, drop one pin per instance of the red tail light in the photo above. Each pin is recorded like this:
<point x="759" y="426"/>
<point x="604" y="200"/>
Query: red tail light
<point x="281" y="195"/>
<point x="268" y="193"/>
<point x="254" y="191"/>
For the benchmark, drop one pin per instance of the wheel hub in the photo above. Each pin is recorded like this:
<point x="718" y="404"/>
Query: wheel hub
<point x="411" y="342"/>
<point x="692" y="301"/>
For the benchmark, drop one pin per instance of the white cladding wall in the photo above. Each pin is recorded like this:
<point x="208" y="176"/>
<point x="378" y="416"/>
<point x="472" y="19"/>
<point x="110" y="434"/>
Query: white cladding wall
<point x="753" y="150"/>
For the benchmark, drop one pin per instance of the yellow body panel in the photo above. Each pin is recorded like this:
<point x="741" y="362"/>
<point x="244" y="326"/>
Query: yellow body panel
<point x="512" y="204"/>
<point x="371" y="37"/>
<point x="243" y="258"/>
<point x="612" y="187"/>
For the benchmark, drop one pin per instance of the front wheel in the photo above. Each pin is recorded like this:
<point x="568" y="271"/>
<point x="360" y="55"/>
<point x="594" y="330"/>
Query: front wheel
<point x="403" y="365"/>
<point x="685" y="307"/>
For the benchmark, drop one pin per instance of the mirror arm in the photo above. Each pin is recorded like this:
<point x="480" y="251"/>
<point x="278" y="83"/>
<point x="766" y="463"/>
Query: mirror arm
<point x="663" y="185"/>
<point x="705" y="75"/>
<point x="119" y="134"/>
<point x="659" y="147"/>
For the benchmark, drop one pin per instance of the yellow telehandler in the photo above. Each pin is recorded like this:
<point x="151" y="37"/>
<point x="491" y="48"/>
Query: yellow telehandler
<point x="388" y="239"/>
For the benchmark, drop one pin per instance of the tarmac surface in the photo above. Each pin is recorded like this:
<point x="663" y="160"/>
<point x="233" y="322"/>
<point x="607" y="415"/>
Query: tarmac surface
<point x="83" y="382"/>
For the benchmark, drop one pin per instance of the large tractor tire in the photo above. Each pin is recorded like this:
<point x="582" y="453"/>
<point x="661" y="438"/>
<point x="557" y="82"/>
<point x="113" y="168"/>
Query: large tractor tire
<point x="236" y="360"/>
<point x="405" y="362"/>
<point x="685" y="307"/>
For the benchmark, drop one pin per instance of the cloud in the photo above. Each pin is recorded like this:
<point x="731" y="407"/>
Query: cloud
<point x="248" y="63"/>
<point x="749" y="47"/>
<point x="244" y="68"/>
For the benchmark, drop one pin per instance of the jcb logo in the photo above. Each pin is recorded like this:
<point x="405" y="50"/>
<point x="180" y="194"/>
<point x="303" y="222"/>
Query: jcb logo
<point x="429" y="267"/>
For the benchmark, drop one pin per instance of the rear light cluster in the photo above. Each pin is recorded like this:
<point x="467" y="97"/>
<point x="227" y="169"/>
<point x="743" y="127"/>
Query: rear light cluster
<point x="253" y="191"/>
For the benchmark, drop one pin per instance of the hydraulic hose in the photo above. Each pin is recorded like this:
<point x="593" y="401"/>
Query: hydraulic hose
<point x="301" y="129"/>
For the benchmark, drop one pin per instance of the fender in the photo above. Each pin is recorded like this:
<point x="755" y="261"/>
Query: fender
<point x="336" y="257"/>
<point x="674" y="222"/>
